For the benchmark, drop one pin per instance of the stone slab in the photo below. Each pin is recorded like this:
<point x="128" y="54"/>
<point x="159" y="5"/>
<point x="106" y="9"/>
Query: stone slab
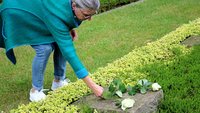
<point x="191" y="41"/>
<point x="144" y="103"/>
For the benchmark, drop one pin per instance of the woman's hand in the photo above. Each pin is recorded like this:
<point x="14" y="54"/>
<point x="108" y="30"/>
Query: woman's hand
<point x="74" y="35"/>
<point x="96" y="89"/>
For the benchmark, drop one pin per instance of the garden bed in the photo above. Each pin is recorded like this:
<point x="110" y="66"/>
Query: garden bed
<point x="125" y="68"/>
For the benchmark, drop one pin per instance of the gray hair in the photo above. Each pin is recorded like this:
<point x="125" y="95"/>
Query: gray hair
<point x="87" y="4"/>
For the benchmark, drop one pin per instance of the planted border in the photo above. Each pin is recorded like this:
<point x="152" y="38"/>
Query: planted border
<point x="110" y="4"/>
<point x="124" y="68"/>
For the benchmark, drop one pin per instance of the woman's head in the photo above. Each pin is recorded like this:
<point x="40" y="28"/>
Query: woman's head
<point x="85" y="9"/>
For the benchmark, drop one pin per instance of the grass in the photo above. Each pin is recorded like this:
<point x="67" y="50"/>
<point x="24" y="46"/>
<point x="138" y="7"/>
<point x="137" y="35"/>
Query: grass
<point x="109" y="36"/>
<point x="179" y="78"/>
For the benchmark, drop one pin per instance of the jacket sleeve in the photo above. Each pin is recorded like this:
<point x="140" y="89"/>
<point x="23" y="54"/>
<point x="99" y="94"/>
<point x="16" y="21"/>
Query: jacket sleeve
<point x="62" y="37"/>
<point x="2" y="45"/>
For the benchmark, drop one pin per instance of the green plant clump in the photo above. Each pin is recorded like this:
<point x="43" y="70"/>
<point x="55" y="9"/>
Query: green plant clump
<point x="117" y="88"/>
<point x="110" y="4"/>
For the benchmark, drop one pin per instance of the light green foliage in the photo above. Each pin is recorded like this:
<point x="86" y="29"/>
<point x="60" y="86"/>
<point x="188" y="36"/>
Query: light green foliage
<point x="124" y="68"/>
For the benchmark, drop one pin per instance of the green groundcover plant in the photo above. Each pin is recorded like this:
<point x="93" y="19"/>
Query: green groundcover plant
<point x="124" y="68"/>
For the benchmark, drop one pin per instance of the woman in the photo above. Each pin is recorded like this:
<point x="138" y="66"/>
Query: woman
<point x="47" y="25"/>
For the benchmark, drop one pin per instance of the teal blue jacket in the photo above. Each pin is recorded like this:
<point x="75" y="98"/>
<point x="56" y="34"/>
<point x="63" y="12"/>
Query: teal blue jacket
<point x="32" y="22"/>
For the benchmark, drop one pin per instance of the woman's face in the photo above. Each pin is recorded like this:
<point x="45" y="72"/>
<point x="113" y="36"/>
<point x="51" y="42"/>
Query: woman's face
<point x="83" y="14"/>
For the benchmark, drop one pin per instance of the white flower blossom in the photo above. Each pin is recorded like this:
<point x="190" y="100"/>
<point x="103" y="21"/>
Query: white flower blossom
<point x="127" y="103"/>
<point x="156" y="86"/>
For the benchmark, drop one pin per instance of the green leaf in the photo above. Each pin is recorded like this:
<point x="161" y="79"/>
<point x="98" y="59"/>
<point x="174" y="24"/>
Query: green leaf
<point x="119" y="93"/>
<point x="112" y="88"/>
<point x="133" y="91"/>
<point x="143" y="90"/>
<point x="116" y="82"/>
<point x="107" y="95"/>
<point x="137" y="87"/>
<point x="129" y="88"/>
<point x="122" y="88"/>
<point x="148" y="84"/>
<point x="118" y="102"/>
<point x="142" y="82"/>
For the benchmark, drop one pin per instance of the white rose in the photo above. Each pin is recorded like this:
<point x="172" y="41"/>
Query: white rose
<point x="156" y="86"/>
<point x="127" y="103"/>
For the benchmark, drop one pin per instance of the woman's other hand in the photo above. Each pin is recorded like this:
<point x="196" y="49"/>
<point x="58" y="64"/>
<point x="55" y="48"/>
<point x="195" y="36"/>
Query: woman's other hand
<point x="74" y="35"/>
<point x="96" y="89"/>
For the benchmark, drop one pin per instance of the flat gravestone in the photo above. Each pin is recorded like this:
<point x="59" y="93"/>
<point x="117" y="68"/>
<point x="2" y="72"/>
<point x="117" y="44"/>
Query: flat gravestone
<point x="144" y="103"/>
<point x="191" y="41"/>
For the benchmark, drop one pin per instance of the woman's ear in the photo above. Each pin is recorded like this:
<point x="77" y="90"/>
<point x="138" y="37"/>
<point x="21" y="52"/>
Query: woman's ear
<point x="73" y="5"/>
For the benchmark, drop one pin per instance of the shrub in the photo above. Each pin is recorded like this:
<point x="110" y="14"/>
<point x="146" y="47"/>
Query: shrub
<point x="110" y="4"/>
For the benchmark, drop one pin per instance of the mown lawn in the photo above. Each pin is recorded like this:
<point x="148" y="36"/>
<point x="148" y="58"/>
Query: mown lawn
<point x="109" y="36"/>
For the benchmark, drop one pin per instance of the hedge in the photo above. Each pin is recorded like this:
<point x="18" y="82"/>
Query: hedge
<point x="124" y="68"/>
<point x="110" y="4"/>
